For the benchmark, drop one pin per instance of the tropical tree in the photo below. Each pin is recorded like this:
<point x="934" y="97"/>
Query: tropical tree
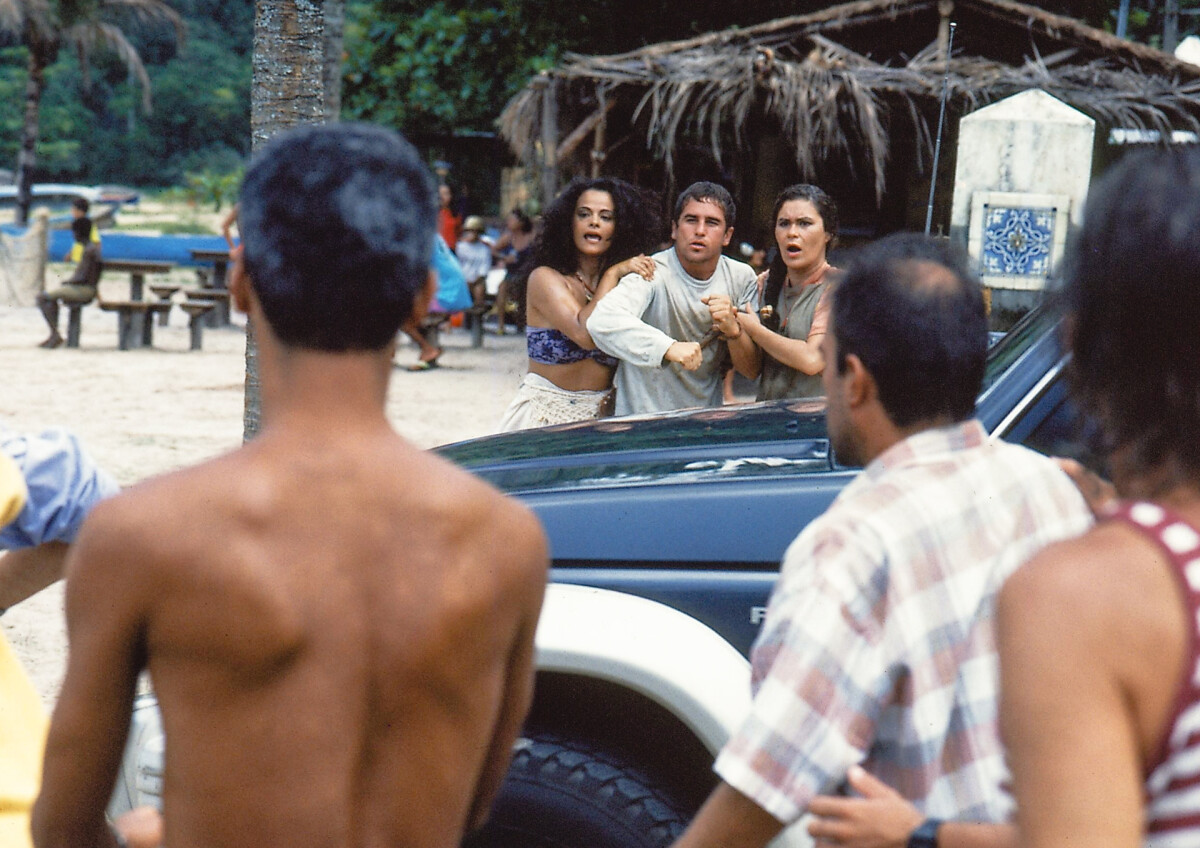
<point x="44" y="27"/>
<point x="292" y="40"/>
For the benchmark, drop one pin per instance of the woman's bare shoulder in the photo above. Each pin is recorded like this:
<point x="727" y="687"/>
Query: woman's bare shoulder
<point x="545" y="275"/>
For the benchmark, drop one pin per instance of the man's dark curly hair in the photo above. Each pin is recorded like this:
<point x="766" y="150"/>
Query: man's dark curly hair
<point x="639" y="225"/>
<point x="338" y="223"/>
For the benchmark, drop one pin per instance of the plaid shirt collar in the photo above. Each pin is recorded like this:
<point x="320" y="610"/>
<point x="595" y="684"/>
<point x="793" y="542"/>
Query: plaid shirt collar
<point x="927" y="445"/>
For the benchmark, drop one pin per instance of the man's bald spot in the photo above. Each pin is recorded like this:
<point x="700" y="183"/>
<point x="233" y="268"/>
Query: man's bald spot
<point x="926" y="277"/>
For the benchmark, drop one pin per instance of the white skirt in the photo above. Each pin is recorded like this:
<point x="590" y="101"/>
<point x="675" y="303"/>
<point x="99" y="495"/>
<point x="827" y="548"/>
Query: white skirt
<point x="540" y="403"/>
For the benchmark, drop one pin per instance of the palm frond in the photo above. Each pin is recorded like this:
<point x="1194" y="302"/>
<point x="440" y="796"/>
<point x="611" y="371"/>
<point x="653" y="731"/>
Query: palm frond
<point x="150" y="12"/>
<point x="86" y="38"/>
<point x="33" y="18"/>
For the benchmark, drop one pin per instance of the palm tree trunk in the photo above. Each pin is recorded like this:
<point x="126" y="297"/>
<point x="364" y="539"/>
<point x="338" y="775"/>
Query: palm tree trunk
<point x="335" y="21"/>
<point x="27" y="154"/>
<point x="288" y="89"/>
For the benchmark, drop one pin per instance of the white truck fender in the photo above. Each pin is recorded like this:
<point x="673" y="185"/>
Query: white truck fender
<point x="657" y="651"/>
<point x="650" y="648"/>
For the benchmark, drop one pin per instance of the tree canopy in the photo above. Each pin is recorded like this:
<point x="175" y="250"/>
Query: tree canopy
<point x="97" y="132"/>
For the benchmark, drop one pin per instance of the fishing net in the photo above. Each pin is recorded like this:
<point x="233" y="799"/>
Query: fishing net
<point x="23" y="263"/>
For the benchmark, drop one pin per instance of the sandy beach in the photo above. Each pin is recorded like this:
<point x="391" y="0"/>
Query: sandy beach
<point x="149" y="411"/>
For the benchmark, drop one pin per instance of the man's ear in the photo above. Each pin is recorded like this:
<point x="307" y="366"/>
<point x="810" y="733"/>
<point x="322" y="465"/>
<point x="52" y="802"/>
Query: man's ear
<point x="425" y="296"/>
<point x="239" y="281"/>
<point x="728" y="237"/>
<point x="859" y="382"/>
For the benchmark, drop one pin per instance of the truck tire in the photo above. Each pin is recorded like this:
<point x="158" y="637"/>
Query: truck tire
<point x="561" y="794"/>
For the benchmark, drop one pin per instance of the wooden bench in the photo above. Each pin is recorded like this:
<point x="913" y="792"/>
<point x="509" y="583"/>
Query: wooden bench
<point x="126" y="310"/>
<point x="137" y="269"/>
<point x="164" y="292"/>
<point x="219" y="316"/>
<point x="74" y="321"/>
<point x="474" y="318"/>
<point x="196" y="310"/>
<point x="431" y="324"/>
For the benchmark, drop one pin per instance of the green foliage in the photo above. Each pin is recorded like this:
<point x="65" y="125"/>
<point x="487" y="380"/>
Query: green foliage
<point x="426" y="68"/>
<point x="98" y="133"/>
<point x="213" y="187"/>
<point x="435" y="69"/>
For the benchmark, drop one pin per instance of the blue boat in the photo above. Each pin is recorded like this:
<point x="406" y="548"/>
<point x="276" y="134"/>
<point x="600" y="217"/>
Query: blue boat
<point x="166" y="248"/>
<point x="117" y="245"/>
<point x="56" y="198"/>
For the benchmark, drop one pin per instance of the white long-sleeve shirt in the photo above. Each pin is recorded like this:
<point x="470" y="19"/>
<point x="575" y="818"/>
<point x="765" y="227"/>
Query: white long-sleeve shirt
<point x="640" y="319"/>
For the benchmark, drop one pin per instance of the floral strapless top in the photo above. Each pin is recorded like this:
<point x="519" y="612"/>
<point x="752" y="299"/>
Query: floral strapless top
<point x="551" y="347"/>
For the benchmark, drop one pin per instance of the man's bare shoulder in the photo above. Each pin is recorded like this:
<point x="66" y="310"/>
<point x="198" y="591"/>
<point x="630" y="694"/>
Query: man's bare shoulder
<point x="1103" y="585"/>
<point x="179" y="521"/>
<point x="1073" y="571"/>
<point x="503" y="524"/>
<point x="155" y="516"/>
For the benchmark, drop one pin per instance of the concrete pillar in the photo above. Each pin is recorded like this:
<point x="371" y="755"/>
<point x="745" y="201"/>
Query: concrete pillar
<point x="1020" y="181"/>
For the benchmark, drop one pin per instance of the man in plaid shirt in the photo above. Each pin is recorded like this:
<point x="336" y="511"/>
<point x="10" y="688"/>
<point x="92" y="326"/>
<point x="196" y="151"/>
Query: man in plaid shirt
<point x="878" y="647"/>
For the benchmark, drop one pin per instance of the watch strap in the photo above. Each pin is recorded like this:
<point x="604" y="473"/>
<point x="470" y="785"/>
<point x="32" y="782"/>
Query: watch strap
<point x="925" y="836"/>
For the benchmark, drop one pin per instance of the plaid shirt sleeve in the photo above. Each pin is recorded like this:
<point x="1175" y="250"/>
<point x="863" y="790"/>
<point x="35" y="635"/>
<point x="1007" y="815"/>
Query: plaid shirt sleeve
<point x="821" y="673"/>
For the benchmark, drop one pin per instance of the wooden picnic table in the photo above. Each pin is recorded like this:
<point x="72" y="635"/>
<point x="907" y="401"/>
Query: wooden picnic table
<point x="219" y="259"/>
<point x="137" y="269"/>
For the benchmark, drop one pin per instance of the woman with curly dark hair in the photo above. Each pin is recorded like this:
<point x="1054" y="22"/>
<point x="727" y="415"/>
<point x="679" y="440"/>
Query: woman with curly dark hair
<point x="593" y="234"/>
<point x="796" y="287"/>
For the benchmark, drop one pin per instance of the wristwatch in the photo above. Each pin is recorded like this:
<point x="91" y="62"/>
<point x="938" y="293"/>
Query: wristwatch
<point x="925" y="836"/>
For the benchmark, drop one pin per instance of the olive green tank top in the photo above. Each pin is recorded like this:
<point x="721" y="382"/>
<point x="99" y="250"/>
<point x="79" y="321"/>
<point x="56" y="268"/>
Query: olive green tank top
<point x="796" y="312"/>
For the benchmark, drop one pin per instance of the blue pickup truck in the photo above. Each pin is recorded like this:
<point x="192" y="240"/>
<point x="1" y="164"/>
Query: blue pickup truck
<point x="666" y="534"/>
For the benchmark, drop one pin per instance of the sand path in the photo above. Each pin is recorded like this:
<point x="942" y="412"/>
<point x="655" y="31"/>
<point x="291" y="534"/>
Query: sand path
<point x="146" y="412"/>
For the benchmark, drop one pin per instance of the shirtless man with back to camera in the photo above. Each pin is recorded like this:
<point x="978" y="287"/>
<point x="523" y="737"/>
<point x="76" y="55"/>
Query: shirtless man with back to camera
<point x="339" y="626"/>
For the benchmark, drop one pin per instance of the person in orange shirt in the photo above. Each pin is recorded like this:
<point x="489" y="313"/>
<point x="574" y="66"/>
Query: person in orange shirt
<point x="449" y="222"/>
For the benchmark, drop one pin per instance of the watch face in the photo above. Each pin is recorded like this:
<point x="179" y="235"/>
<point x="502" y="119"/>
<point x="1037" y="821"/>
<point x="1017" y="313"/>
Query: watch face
<point x="925" y="836"/>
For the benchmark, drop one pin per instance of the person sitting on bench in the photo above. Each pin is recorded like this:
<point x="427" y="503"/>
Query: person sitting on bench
<point x="80" y="287"/>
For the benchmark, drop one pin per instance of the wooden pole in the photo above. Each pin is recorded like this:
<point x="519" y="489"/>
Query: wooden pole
<point x="1170" y="26"/>
<point x="577" y="135"/>
<point x="945" y="9"/>
<point x="549" y="141"/>
<point x="598" y="141"/>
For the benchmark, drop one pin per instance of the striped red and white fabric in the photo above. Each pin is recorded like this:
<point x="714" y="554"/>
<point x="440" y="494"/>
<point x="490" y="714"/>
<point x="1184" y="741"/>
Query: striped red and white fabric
<point x="1173" y="779"/>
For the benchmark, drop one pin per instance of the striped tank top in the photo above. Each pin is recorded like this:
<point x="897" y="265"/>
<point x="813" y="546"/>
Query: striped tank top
<point x="1173" y="777"/>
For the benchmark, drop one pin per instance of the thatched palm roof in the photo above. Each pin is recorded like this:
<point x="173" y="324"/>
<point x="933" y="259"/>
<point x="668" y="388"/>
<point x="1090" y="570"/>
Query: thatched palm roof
<point x="838" y="81"/>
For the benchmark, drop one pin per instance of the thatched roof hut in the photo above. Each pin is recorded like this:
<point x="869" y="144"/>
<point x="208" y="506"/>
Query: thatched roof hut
<point x="854" y="87"/>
